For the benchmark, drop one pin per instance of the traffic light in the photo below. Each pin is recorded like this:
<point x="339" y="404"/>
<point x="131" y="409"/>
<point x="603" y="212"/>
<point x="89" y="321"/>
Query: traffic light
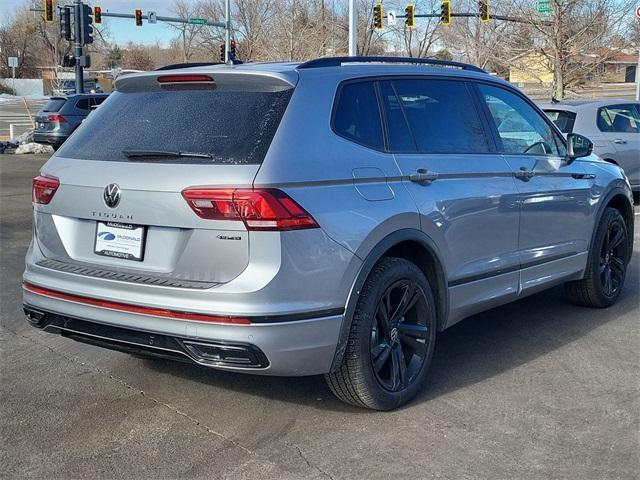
<point x="377" y="16"/>
<point x="49" y="9"/>
<point x="87" y="20"/>
<point x="445" y="13"/>
<point x="138" y="18"/>
<point x="65" y="23"/>
<point x="222" y="53"/>
<point x="483" y="9"/>
<point x="97" y="14"/>
<point x="232" y="50"/>
<point x="410" y="16"/>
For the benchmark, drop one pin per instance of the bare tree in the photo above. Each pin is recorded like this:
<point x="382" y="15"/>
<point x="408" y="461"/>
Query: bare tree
<point x="188" y="34"/>
<point x="578" y="37"/>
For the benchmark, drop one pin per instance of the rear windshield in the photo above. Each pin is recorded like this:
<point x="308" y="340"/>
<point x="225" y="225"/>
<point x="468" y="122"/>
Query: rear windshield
<point x="564" y="120"/>
<point x="232" y="127"/>
<point x="54" y="105"/>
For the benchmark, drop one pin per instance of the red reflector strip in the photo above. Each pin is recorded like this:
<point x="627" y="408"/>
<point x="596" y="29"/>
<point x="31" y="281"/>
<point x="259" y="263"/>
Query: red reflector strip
<point x="156" y="312"/>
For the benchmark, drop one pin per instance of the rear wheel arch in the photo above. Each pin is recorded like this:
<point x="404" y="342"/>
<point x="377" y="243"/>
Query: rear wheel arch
<point x="409" y="244"/>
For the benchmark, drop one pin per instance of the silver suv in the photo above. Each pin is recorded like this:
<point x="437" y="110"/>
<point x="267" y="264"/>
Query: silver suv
<point x="329" y="217"/>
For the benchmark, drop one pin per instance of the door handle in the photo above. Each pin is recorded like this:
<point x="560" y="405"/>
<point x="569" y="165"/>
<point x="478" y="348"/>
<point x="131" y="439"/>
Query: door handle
<point x="524" y="174"/>
<point x="423" y="176"/>
<point x="620" y="141"/>
<point x="583" y="176"/>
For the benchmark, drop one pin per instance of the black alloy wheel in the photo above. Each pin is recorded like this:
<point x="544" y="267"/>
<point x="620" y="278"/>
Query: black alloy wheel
<point x="613" y="257"/>
<point x="399" y="334"/>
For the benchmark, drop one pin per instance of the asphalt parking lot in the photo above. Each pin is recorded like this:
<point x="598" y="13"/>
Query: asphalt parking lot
<point x="535" y="389"/>
<point x="15" y="112"/>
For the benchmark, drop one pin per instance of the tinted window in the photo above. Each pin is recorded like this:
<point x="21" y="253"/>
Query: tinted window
<point x="563" y="120"/>
<point x="54" y="105"/>
<point x="234" y="127"/>
<point x="619" y="119"/>
<point x="83" y="104"/>
<point x="520" y="127"/>
<point x="399" y="136"/>
<point x="440" y="113"/>
<point x="357" y="116"/>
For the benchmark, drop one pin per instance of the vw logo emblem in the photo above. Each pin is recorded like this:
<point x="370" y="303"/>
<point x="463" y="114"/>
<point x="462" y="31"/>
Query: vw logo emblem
<point x="111" y="195"/>
<point x="394" y="334"/>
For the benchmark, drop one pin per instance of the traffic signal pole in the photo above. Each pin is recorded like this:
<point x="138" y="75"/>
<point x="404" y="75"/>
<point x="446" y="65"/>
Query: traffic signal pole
<point x="77" y="44"/>
<point x="227" y="31"/>
<point x="353" y="29"/>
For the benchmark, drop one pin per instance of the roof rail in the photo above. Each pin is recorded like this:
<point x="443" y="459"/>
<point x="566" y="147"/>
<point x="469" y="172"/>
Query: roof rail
<point x="338" y="61"/>
<point x="194" y="64"/>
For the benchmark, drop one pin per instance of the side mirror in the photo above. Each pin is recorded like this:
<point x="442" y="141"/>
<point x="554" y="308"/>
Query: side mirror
<point x="578" y="146"/>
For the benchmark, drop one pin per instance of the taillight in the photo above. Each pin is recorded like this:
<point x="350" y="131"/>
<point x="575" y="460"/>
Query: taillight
<point x="56" y="118"/>
<point x="261" y="209"/>
<point x="44" y="188"/>
<point x="184" y="78"/>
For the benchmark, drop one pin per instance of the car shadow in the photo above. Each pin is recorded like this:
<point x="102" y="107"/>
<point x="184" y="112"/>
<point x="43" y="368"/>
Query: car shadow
<point x="471" y="351"/>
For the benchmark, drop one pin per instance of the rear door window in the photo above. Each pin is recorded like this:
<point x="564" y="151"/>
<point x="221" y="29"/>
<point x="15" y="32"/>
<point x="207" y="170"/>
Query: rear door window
<point x="83" y="104"/>
<point x="234" y="127"/>
<point x="357" y="116"/>
<point x="441" y="115"/>
<point x="562" y="119"/>
<point x="619" y="119"/>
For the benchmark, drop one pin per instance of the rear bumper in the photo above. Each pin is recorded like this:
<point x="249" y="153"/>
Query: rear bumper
<point x="49" y="138"/>
<point x="284" y="348"/>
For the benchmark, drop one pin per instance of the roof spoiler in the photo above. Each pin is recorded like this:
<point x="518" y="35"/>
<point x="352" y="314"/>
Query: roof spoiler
<point x="218" y="78"/>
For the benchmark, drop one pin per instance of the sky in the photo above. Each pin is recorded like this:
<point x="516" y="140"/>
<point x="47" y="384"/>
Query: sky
<point x="121" y="30"/>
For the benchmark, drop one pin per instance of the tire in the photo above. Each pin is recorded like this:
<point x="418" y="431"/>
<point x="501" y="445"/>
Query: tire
<point x="371" y="374"/>
<point x="606" y="265"/>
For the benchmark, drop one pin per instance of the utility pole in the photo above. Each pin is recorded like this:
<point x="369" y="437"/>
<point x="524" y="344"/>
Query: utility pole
<point x="353" y="29"/>
<point x="77" y="44"/>
<point x="638" y="77"/>
<point x="227" y="31"/>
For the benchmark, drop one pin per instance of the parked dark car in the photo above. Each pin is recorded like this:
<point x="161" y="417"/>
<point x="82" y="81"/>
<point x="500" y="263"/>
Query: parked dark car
<point x="68" y="87"/>
<point x="62" y="115"/>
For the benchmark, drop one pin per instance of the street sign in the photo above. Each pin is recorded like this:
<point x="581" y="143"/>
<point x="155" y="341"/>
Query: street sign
<point x="544" y="8"/>
<point x="152" y="17"/>
<point x="12" y="62"/>
<point x="638" y="12"/>
<point x="391" y="17"/>
<point x="197" y="21"/>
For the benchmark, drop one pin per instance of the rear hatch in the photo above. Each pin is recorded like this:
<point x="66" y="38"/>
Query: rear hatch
<point x="48" y="118"/>
<point x="121" y="204"/>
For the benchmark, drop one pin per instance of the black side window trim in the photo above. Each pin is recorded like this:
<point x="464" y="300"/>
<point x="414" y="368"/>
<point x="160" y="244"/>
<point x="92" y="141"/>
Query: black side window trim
<point x="559" y="138"/>
<point x="336" y="100"/>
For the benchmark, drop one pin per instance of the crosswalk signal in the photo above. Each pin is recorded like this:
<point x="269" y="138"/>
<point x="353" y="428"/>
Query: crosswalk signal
<point x="97" y="14"/>
<point x="377" y="16"/>
<point x="65" y="23"/>
<point x="222" y="51"/>
<point x="48" y="11"/>
<point x="410" y="16"/>
<point x="138" y="16"/>
<point x="483" y="8"/>
<point x="445" y="13"/>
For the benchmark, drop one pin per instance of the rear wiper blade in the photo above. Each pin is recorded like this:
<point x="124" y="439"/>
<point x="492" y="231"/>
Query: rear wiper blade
<point x="131" y="153"/>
